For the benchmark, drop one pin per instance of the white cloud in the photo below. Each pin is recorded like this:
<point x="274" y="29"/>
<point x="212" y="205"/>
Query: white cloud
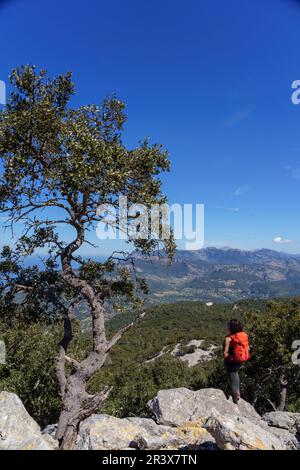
<point x="238" y="116"/>
<point x="281" y="240"/>
<point x="241" y="190"/>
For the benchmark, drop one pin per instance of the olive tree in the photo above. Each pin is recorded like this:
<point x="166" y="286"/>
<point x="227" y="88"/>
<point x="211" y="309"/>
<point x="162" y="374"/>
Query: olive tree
<point x="59" y="165"/>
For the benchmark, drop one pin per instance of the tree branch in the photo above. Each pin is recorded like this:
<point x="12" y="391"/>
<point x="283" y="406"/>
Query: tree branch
<point x="117" y="336"/>
<point x="93" y="404"/>
<point x="73" y="362"/>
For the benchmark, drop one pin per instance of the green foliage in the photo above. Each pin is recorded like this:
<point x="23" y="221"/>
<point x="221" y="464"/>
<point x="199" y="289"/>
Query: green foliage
<point x="170" y="324"/>
<point x="63" y="167"/>
<point x="136" y="381"/>
<point x="205" y="345"/>
<point x="272" y="327"/>
<point x="73" y="161"/>
<point x="272" y="336"/>
<point x="140" y="383"/>
<point x="59" y="167"/>
<point x="187" y="349"/>
<point x="272" y="331"/>
<point x="30" y="368"/>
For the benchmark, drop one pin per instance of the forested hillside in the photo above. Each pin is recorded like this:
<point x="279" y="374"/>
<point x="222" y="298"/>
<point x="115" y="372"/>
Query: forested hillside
<point x="152" y="355"/>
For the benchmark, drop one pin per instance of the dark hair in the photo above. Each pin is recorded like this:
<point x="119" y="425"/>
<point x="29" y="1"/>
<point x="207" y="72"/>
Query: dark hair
<point x="235" y="326"/>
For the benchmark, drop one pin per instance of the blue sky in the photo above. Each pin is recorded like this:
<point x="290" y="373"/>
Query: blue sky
<point x="211" y="80"/>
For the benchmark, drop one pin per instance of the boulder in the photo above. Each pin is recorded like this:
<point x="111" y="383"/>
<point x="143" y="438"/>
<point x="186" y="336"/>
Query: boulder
<point x="175" y="407"/>
<point x="283" y="420"/>
<point x="195" y="436"/>
<point x="18" y="431"/>
<point x="240" y="433"/>
<point x="185" y="420"/>
<point x="288" y="440"/>
<point x="100" y="432"/>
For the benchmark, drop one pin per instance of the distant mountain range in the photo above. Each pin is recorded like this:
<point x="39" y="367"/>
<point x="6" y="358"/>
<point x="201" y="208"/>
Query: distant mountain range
<point x="221" y="275"/>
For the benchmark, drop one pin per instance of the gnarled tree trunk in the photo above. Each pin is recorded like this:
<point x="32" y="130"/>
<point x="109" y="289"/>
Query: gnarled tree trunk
<point x="77" y="403"/>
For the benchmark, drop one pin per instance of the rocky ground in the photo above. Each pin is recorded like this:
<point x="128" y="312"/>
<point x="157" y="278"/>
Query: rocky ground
<point x="197" y="356"/>
<point x="181" y="419"/>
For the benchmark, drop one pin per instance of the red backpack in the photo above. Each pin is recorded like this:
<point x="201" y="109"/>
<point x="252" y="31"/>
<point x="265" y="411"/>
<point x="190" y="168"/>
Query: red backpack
<point x="239" y="347"/>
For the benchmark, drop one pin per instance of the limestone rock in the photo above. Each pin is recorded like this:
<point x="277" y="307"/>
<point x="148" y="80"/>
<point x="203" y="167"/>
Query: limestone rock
<point x="18" y="431"/>
<point x="239" y="433"/>
<point x="185" y="420"/>
<point x="175" y="407"/>
<point x="195" y="436"/>
<point x="283" y="420"/>
<point x="107" y="432"/>
<point x="289" y="440"/>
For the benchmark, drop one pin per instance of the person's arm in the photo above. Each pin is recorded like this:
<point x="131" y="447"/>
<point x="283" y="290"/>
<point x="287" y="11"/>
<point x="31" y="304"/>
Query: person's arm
<point x="226" y="347"/>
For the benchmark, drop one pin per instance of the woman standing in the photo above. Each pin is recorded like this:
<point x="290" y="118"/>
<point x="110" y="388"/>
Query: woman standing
<point x="236" y="352"/>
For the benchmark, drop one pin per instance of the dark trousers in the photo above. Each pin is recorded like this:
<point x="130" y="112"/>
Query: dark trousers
<point x="232" y="369"/>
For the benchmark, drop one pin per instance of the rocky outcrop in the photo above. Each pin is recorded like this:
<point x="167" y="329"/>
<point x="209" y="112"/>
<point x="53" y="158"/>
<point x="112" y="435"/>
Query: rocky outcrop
<point x="286" y="426"/>
<point x="178" y="406"/>
<point x="18" y="431"/>
<point x="239" y="433"/>
<point x="183" y="419"/>
<point x="198" y="354"/>
<point x="107" y="432"/>
<point x="283" y="420"/>
<point x="231" y="426"/>
<point x="288" y="440"/>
